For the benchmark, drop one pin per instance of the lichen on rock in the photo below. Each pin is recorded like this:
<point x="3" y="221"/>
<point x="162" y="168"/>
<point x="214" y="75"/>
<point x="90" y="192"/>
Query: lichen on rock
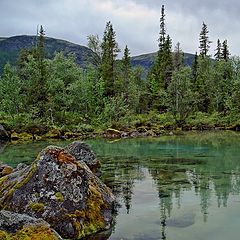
<point x="60" y="188"/>
<point x="21" y="226"/>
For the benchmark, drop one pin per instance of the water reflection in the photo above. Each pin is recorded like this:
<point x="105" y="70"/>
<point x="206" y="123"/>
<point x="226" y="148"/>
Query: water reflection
<point x="207" y="167"/>
<point x="166" y="187"/>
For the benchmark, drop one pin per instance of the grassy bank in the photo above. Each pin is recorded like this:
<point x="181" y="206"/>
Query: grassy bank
<point x="23" y="127"/>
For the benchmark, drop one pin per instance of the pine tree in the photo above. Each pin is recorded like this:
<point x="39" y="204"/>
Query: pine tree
<point x="126" y="68"/>
<point x="178" y="57"/>
<point x="162" y="32"/>
<point x="40" y="86"/>
<point x="217" y="55"/>
<point x="168" y="62"/>
<point x="110" y="50"/>
<point x="204" y="41"/>
<point x="194" y="68"/>
<point x="162" y="68"/>
<point x="225" y="54"/>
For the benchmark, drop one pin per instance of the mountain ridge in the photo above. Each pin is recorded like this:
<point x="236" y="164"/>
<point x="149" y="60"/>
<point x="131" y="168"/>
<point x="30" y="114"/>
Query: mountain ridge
<point x="11" y="46"/>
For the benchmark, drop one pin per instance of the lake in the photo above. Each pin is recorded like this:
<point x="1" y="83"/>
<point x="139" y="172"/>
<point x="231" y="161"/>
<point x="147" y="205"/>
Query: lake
<point x="173" y="187"/>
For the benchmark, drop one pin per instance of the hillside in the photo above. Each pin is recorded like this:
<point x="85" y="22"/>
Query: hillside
<point x="10" y="48"/>
<point x="146" y="60"/>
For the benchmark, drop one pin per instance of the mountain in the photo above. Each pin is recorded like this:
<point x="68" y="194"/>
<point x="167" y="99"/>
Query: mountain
<point x="147" y="60"/>
<point x="10" y="48"/>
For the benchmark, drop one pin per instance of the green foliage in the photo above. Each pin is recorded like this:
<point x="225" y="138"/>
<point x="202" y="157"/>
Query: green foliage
<point x="10" y="89"/>
<point x="59" y="94"/>
<point x="109" y="49"/>
<point x="179" y="93"/>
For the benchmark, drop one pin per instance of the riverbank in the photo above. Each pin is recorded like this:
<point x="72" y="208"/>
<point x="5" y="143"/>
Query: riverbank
<point x="141" y="125"/>
<point x="111" y="133"/>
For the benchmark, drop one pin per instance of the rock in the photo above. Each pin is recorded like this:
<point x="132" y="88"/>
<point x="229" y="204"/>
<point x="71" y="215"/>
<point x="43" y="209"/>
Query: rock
<point x="5" y="170"/>
<point x="15" y="225"/>
<point x="82" y="152"/>
<point x="62" y="191"/>
<point x="112" y="133"/>
<point x="52" y="134"/>
<point x="21" y="136"/>
<point x="3" y="133"/>
<point x="183" y="221"/>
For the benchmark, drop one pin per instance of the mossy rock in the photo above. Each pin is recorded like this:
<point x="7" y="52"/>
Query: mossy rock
<point x="112" y="133"/>
<point x="52" y="134"/>
<point x="72" y="135"/>
<point x="21" y="136"/>
<point x="62" y="191"/>
<point x="31" y="233"/>
<point x="5" y="170"/>
<point x="21" y="226"/>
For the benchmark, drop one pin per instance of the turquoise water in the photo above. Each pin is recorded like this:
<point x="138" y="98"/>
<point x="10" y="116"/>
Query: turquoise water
<point x="175" y="187"/>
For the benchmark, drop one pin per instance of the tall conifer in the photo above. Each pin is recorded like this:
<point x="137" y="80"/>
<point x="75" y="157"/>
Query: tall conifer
<point x="204" y="42"/>
<point x="217" y="54"/>
<point x="109" y="53"/>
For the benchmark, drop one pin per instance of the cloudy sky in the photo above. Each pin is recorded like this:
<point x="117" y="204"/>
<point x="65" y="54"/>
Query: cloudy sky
<point x="136" y="22"/>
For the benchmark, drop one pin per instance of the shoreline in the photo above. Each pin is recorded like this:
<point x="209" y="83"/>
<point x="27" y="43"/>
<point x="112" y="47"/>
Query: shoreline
<point x="111" y="133"/>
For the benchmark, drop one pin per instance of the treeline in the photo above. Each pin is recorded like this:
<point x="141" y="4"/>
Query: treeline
<point x="110" y="93"/>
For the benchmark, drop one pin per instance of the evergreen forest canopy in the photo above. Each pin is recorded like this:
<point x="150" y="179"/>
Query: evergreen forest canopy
<point x="59" y="93"/>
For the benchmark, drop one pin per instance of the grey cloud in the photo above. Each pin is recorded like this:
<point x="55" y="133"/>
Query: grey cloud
<point x="73" y="20"/>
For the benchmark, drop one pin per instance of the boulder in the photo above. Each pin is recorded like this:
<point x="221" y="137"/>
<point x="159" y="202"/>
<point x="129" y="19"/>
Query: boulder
<point x="112" y="133"/>
<point x="3" y="133"/>
<point x="62" y="191"/>
<point x="17" y="226"/>
<point x="82" y="152"/>
<point x="5" y="170"/>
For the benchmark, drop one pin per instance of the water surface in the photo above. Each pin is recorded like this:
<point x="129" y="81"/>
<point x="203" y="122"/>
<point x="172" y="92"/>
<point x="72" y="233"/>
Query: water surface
<point x="175" y="187"/>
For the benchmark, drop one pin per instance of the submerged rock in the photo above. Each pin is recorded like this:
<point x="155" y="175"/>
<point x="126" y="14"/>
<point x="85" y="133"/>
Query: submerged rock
<point x="62" y="191"/>
<point x="183" y="221"/>
<point x="15" y="225"/>
<point x="3" y="133"/>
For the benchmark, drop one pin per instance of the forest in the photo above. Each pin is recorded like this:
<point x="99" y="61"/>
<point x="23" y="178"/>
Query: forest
<point x="57" y="93"/>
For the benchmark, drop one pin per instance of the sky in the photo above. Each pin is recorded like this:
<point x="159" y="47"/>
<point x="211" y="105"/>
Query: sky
<point x="136" y="22"/>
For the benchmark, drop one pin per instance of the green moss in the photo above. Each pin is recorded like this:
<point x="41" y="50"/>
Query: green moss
<point x="30" y="233"/>
<point x="13" y="186"/>
<point x="2" y="180"/>
<point x="89" y="220"/>
<point x="59" y="197"/>
<point x="21" y="136"/>
<point x="37" y="207"/>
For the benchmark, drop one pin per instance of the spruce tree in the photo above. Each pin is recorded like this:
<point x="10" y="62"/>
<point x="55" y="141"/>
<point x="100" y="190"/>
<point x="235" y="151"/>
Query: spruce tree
<point x="204" y="42"/>
<point x="178" y="57"/>
<point x="225" y="54"/>
<point x="195" y="67"/>
<point x="162" y="68"/>
<point x="162" y="32"/>
<point x="109" y="48"/>
<point x="41" y="82"/>
<point x="217" y="54"/>
<point x="126" y="68"/>
<point x="168" y="62"/>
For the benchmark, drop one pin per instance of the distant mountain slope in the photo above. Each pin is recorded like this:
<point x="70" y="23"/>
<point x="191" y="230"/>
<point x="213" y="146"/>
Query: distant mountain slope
<point x="147" y="60"/>
<point x="10" y="48"/>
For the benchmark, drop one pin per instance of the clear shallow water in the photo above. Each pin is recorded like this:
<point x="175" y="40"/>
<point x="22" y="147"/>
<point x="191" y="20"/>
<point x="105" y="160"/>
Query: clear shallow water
<point x="175" y="187"/>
